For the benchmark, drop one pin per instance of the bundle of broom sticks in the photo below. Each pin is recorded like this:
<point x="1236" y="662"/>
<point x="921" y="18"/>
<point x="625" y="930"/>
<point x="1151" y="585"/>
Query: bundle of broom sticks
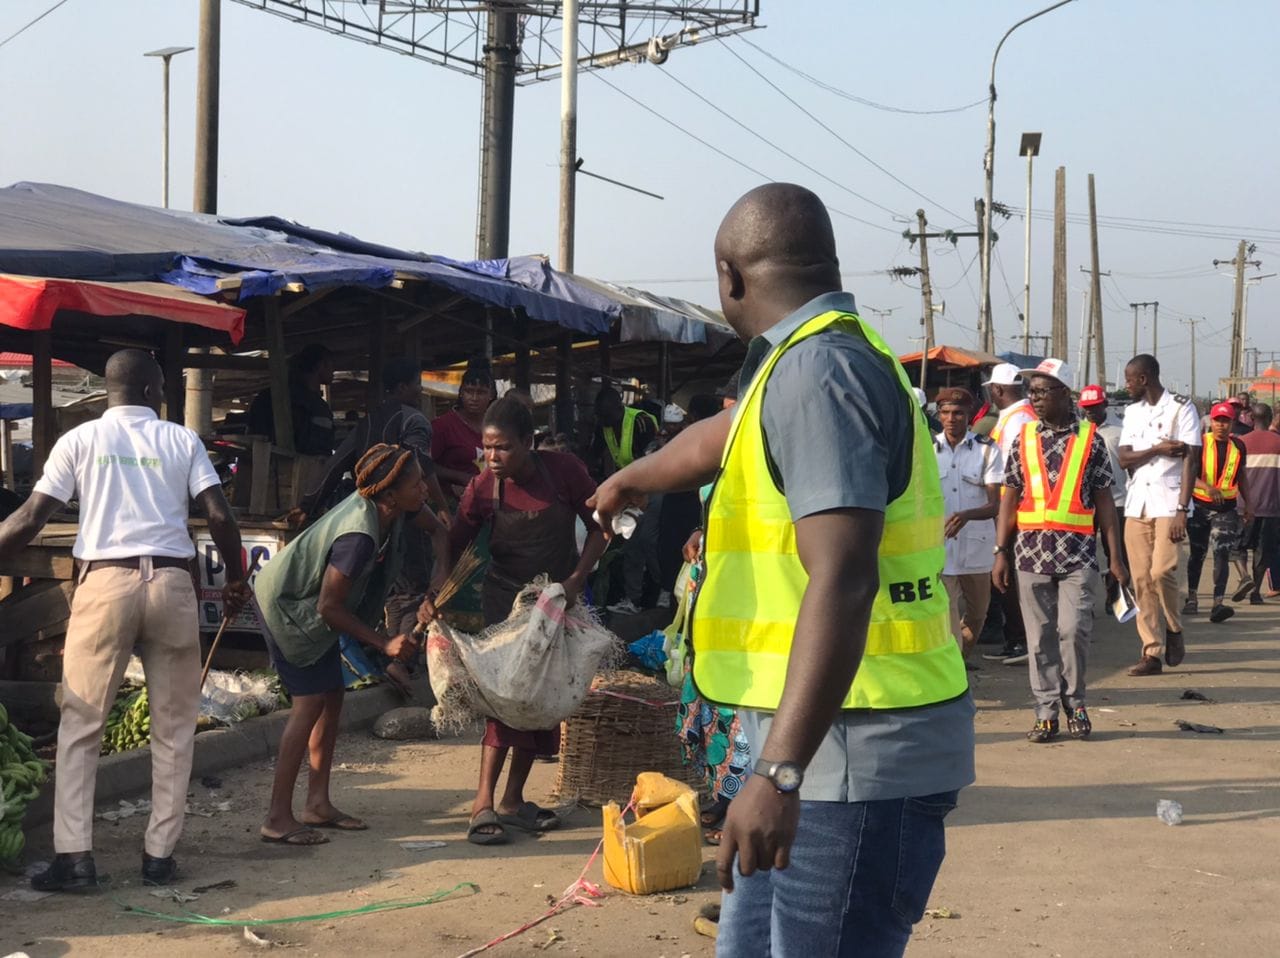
<point x="467" y="565"/>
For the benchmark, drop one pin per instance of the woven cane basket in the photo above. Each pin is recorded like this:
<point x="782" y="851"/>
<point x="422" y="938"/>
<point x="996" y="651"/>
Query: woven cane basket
<point x="610" y="740"/>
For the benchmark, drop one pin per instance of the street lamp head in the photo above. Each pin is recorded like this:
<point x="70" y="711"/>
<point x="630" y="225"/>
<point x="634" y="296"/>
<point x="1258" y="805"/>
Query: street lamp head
<point x="167" y="52"/>
<point x="1030" y="145"/>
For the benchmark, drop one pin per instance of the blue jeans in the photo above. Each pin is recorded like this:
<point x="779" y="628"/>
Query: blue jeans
<point x="860" y="877"/>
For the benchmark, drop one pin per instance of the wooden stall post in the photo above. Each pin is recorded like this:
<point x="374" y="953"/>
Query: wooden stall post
<point x="377" y="356"/>
<point x="43" y="422"/>
<point x="278" y="363"/>
<point x="664" y="372"/>
<point x="173" y="361"/>
<point x="522" y="372"/>
<point x="564" y="384"/>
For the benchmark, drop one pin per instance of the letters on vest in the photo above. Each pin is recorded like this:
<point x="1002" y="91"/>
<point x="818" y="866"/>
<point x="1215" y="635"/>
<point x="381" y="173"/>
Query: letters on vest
<point x="744" y="614"/>
<point x="1224" y="483"/>
<point x="1059" y="508"/>
<point x="622" y="451"/>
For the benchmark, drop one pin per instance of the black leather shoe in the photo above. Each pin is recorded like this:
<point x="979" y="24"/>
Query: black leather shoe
<point x="69" y="872"/>
<point x="158" y="871"/>
<point x="1175" y="649"/>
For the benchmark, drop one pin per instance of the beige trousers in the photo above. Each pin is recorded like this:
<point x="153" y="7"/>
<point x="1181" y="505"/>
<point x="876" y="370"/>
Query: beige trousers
<point x="1154" y="560"/>
<point x="970" y="595"/>
<point x="112" y="610"/>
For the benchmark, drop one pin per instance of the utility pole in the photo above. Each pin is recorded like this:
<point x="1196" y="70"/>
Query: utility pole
<point x="1237" y="311"/>
<point x="926" y="287"/>
<point x="1155" y="328"/>
<point x="1193" y="321"/>
<point x="1089" y="325"/>
<point x="1095" y="296"/>
<point x="198" y="412"/>
<point x="880" y="315"/>
<point x="1135" y="307"/>
<point x="1058" y="346"/>
<point x="1030" y="148"/>
<point x="1083" y="364"/>
<point x="986" y="335"/>
<point x="502" y="47"/>
<point x="568" y="199"/>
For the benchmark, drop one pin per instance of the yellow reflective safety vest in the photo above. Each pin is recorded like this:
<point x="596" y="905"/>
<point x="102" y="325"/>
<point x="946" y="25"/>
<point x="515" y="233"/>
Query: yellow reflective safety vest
<point x="623" y="451"/>
<point x="1226" y="483"/>
<point x="1059" y="508"/>
<point x="744" y="615"/>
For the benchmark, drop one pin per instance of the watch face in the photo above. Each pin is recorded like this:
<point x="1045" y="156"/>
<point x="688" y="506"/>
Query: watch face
<point x="787" y="777"/>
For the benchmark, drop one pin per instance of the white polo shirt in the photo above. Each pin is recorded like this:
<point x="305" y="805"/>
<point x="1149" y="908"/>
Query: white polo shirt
<point x="1155" y="486"/>
<point x="134" y="475"/>
<point x="966" y="471"/>
<point x="1009" y="425"/>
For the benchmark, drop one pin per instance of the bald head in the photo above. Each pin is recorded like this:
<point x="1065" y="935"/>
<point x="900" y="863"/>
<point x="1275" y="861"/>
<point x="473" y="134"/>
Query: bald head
<point x="134" y="378"/>
<point x="1261" y="413"/>
<point x="775" y="250"/>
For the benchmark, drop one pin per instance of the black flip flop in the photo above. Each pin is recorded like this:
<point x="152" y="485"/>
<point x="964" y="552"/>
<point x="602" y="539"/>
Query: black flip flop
<point x="338" y="824"/>
<point x="532" y="819"/>
<point x="287" y="838"/>
<point x="486" y="817"/>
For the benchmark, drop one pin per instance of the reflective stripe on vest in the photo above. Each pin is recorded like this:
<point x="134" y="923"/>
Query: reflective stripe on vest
<point x="1059" y="508"/>
<point x="1225" y="483"/>
<point x="623" y="453"/>
<point x="744" y="615"/>
<point x="998" y="430"/>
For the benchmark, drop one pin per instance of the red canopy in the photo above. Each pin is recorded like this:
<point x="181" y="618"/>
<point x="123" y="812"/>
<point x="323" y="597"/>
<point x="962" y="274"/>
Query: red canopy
<point x="30" y="302"/>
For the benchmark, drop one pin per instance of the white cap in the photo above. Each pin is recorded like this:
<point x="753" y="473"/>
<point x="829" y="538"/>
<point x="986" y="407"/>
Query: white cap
<point x="921" y="399"/>
<point x="1004" y="374"/>
<point x="1053" y="368"/>
<point x="673" y="415"/>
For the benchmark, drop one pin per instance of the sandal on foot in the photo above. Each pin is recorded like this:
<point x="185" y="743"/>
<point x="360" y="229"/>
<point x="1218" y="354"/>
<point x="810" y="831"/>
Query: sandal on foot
<point x="294" y="837"/>
<point x="712" y="836"/>
<point x="343" y="823"/>
<point x="486" y="818"/>
<point x="530" y="818"/>
<point x="707" y="922"/>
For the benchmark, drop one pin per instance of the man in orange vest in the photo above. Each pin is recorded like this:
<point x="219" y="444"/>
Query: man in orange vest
<point x="1215" y="524"/>
<point x="1057" y="478"/>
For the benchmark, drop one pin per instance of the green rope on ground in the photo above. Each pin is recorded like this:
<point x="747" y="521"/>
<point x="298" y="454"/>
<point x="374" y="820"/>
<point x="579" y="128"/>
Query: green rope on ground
<point x="191" y="918"/>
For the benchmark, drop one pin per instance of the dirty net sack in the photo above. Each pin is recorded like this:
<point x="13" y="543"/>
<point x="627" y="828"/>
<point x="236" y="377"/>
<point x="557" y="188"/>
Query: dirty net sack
<point x="530" y="671"/>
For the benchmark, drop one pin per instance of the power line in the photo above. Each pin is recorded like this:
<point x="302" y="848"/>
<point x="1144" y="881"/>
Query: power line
<point x="851" y="96"/>
<point x="764" y="139"/>
<point x="792" y="100"/>
<point x="715" y="149"/>
<point x="22" y="30"/>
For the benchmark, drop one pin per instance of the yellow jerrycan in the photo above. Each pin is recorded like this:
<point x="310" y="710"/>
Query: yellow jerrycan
<point x="662" y="848"/>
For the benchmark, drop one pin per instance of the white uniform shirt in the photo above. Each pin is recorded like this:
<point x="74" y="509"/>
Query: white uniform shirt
<point x="1154" y="487"/>
<point x="1110" y="433"/>
<point x="966" y="472"/>
<point x="1009" y="425"/>
<point x="134" y="475"/>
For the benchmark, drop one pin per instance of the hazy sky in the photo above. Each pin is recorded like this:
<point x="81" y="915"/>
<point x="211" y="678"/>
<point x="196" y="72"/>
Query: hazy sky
<point x="1171" y="104"/>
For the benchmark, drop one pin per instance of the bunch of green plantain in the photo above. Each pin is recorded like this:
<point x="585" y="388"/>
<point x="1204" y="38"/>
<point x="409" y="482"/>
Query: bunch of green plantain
<point x="128" y="725"/>
<point x="21" y="775"/>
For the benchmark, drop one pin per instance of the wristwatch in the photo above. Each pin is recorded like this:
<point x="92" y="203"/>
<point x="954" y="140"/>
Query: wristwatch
<point x="787" y="777"/>
<point x="1184" y="508"/>
<point x="996" y="550"/>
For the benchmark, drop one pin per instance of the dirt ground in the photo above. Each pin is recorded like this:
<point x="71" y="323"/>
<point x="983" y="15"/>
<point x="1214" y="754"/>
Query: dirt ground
<point x="1056" y="851"/>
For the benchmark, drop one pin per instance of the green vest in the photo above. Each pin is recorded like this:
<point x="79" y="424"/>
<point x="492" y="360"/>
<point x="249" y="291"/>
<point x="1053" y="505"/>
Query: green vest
<point x="288" y="587"/>
<point x="746" y="607"/>
<point x="623" y="452"/>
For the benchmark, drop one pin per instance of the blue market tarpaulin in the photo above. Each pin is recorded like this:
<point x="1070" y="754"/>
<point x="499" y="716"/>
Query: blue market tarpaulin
<point x="55" y="231"/>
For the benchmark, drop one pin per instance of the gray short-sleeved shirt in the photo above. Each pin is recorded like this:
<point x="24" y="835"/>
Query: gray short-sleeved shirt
<point x="838" y="428"/>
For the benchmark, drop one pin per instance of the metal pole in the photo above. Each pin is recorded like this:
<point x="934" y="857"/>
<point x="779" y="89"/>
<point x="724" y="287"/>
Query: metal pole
<point x="164" y="163"/>
<point x="1058" y="346"/>
<point x="568" y="198"/>
<point x="1155" y="328"/>
<point x="501" y="50"/>
<point x="1083" y="364"/>
<point x="205" y="199"/>
<point x="1237" y="324"/>
<point x="1026" y="268"/>
<point x="926" y="294"/>
<point x="1095" y="292"/>
<point x="1135" y="329"/>
<point x="989" y="167"/>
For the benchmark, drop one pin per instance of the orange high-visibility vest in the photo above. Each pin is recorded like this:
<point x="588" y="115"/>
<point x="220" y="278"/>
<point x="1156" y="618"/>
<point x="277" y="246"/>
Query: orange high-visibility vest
<point x="1224" y="483"/>
<point x="1060" y="508"/>
<point x="998" y="430"/>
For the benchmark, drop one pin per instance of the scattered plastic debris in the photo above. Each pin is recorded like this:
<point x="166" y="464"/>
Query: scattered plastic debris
<point x="941" y="913"/>
<point x="1194" y="696"/>
<point x="422" y="846"/>
<point x="173" y="894"/>
<point x="552" y="937"/>
<point x="255" y="939"/>
<point x="1169" y="811"/>
<point x="216" y="886"/>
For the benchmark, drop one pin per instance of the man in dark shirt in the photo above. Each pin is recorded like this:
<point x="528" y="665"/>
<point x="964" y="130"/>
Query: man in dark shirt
<point x="309" y="369"/>
<point x="1262" y="496"/>
<point x="616" y="423"/>
<point x="1057" y="566"/>
<point x="1215" y="524"/>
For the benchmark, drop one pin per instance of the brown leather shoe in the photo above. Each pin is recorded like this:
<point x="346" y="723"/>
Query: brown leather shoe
<point x="1148" y="665"/>
<point x="1175" y="649"/>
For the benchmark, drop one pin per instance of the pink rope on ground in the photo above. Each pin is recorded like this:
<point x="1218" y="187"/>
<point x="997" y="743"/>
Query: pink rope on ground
<point x="633" y="698"/>
<point x="581" y="892"/>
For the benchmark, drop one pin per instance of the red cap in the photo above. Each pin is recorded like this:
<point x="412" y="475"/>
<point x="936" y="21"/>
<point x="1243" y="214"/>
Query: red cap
<point x="1092" y="396"/>
<point x="1223" y="410"/>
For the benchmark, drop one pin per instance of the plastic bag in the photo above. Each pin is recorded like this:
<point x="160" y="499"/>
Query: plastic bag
<point x="676" y="644"/>
<point x="227" y="697"/>
<point x="530" y="671"/>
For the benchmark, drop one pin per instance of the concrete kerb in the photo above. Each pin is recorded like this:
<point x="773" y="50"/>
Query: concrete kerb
<point x="129" y="773"/>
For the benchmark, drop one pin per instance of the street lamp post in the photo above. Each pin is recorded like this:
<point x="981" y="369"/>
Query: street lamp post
<point x="166" y="54"/>
<point x="1030" y="148"/>
<point x="989" y="166"/>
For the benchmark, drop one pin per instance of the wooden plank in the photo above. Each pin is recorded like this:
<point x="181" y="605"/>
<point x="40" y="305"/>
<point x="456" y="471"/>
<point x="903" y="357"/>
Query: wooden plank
<point x="281" y="408"/>
<point x="40" y="562"/>
<point x="38" y="607"/>
<point x="174" y="395"/>
<point x="42" y="426"/>
<point x="261" y="478"/>
<point x="249" y="364"/>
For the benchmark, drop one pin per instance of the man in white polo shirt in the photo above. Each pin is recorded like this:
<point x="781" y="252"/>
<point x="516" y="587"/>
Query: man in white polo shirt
<point x="1160" y="446"/>
<point x="133" y="475"/>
